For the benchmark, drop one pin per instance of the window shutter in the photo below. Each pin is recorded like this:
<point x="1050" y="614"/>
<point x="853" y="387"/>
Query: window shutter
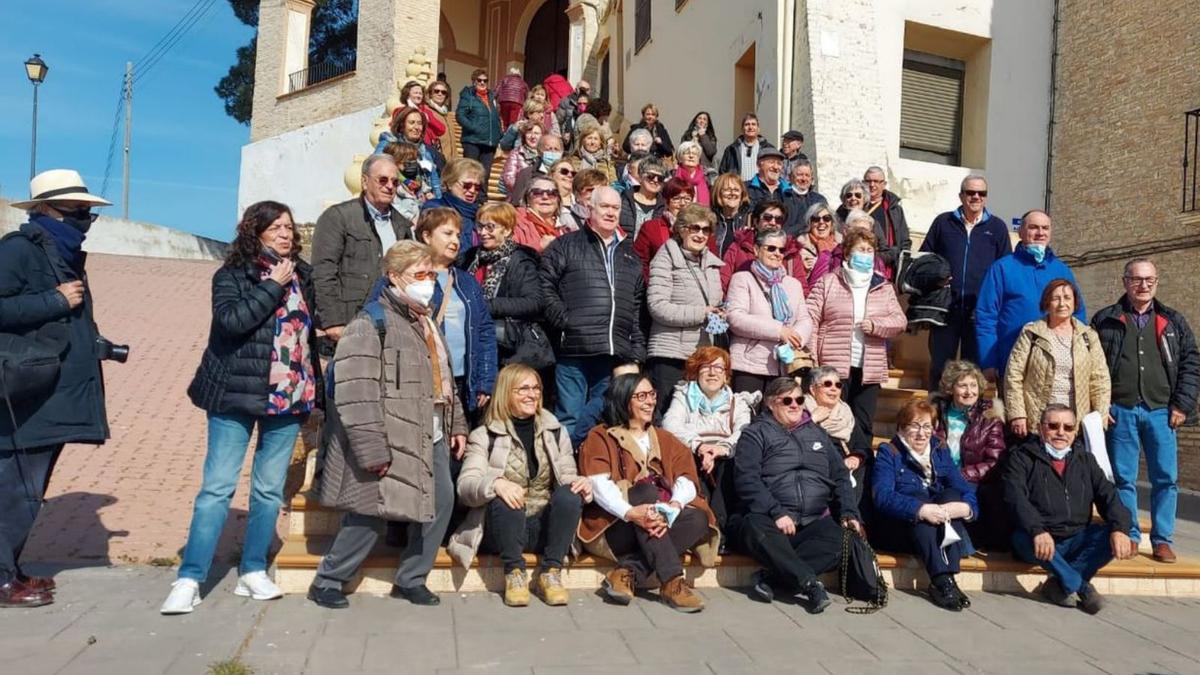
<point x="641" y="29"/>
<point x="931" y="109"/>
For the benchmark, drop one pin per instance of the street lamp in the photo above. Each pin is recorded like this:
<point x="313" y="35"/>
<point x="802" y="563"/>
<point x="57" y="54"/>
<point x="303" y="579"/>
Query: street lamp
<point x="35" y="69"/>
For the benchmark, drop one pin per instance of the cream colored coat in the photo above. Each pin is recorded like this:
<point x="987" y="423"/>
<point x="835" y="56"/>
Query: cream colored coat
<point x="1030" y="373"/>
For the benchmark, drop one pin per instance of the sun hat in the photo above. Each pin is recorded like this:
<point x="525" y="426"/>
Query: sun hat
<point x="58" y="185"/>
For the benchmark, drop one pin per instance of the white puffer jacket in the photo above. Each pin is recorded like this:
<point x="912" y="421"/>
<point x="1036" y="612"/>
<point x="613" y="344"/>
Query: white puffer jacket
<point x="695" y="428"/>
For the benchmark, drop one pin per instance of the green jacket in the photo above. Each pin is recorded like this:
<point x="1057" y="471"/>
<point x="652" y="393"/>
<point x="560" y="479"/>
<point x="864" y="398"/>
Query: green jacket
<point x="480" y="124"/>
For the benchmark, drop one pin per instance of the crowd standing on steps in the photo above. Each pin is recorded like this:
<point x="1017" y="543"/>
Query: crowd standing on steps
<point x="654" y="350"/>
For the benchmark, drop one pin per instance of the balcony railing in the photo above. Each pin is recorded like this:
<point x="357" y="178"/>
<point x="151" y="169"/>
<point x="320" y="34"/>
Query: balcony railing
<point x="1191" y="151"/>
<point x="302" y="79"/>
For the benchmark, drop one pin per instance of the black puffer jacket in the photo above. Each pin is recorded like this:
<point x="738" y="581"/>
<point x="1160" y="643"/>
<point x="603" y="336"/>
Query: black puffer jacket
<point x="1041" y="501"/>
<point x="799" y="474"/>
<point x="596" y="317"/>
<point x="233" y="374"/>
<point x="629" y="210"/>
<point x="519" y="297"/>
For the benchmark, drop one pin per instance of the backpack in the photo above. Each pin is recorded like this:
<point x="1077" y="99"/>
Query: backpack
<point x="859" y="574"/>
<point x="374" y="310"/>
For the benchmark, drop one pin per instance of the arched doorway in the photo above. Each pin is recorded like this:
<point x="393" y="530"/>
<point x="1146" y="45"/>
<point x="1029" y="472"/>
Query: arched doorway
<point x="546" y="42"/>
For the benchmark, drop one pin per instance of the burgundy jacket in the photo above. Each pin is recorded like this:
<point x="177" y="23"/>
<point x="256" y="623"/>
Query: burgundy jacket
<point x="982" y="444"/>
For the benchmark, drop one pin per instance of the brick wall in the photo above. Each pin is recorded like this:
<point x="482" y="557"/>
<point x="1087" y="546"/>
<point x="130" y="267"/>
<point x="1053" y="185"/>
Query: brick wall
<point x="1126" y="73"/>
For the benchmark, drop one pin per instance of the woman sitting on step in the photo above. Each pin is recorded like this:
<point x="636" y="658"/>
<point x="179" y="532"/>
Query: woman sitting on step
<point x="647" y="509"/>
<point x="519" y="480"/>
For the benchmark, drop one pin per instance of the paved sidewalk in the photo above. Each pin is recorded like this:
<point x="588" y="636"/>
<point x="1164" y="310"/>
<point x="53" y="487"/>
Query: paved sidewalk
<point x="107" y="621"/>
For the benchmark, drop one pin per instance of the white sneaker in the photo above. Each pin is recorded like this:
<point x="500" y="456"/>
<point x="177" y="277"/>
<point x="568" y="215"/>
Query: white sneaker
<point x="185" y="595"/>
<point x="257" y="585"/>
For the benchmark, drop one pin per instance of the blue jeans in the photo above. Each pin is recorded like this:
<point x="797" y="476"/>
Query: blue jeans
<point x="581" y="385"/>
<point x="228" y="436"/>
<point x="1137" y="429"/>
<point x="1076" y="558"/>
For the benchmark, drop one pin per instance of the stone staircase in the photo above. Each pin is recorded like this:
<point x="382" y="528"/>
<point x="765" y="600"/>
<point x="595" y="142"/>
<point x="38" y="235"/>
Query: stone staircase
<point x="311" y="529"/>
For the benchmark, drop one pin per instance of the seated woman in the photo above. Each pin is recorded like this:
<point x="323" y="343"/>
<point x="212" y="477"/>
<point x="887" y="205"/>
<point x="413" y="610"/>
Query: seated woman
<point x="520" y="481"/>
<point x="731" y="203"/>
<point x="827" y="409"/>
<point x="768" y="322"/>
<point x="387" y="444"/>
<point x="687" y="167"/>
<point x="918" y="495"/>
<point x="1056" y="359"/>
<point x="592" y="150"/>
<point x="972" y="427"/>
<point x="647" y="511"/>
<point x="794" y="495"/>
<point x="708" y="418"/>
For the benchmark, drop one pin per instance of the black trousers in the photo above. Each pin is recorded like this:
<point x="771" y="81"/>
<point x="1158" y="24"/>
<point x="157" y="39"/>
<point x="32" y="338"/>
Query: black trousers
<point x="664" y="375"/>
<point x="750" y="382"/>
<point x="862" y="399"/>
<point x="717" y="489"/>
<point x="484" y="154"/>
<point x="925" y="540"/>
<point x="791" y="561"/>
<point x="24" y="476"/>
<point x="954" y="340"/>
<point x="644" y="555"/>
<point x="992" y="530"/>
<point x="509" y="532"/>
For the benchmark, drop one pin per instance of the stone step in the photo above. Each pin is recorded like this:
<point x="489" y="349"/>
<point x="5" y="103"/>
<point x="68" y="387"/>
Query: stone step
<point x="297" y="562"/>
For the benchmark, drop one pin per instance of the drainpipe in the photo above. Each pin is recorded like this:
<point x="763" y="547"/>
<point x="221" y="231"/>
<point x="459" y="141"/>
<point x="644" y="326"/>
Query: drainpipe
<point x="787" y="49"/>
<point x="1053" y="97"/>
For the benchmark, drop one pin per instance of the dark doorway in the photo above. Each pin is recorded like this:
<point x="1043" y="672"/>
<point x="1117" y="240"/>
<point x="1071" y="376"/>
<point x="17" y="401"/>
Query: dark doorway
<point x="546" y="42"/>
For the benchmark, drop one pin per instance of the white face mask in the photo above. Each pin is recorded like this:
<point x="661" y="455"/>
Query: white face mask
<point x="421" y="291"/>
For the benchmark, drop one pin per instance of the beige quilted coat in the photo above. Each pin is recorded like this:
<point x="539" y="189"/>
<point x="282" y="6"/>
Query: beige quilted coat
<point x="1030" y="372"/>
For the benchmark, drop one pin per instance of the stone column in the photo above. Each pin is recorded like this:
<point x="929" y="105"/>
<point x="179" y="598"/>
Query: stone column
<point x="416" y="23"/>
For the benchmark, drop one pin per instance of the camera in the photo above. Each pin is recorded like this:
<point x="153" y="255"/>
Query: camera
<point x="108" y="351"/>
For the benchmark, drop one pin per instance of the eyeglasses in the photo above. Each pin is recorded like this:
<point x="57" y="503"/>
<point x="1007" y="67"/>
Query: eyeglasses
<point x="1142" y="281"/>
<point x="566" y="172"/>
<point x="836" y="384"/>
<point x="821" y="219"/>
<point x="852" y="195"/>
<point x="528" y="389"/>
<point x="771" y="248"/>
<point x="489" y="227"/>
<point x="427" y="275"/>
<point x="652" y="177"/>
<point x="470" y="186"/>
<point x="385" y="181"/>
<point x="975" y="193"/>
<point x="697" y="229"/>
<point x="713" y="368"/>
<point x="771" y="218"/>
<point x="442" y="92"/>
<point x="543" y="192"/>
<point x="789" y="401"/>
<point x="1059" y="426"/>
<point x="643" y="396"/>
<point x="682" y="198"/>
<point x="481" y="80"/>
<point x="919" y="428"/>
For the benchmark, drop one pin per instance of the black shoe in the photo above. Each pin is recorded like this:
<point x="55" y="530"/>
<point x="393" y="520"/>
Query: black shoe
<point x="760" y="590"/>
<point x="942" y="594"/>
<point x="813" y="598"/>
<point x="963" y="600"/>
<point x="1090" y="599"/>
<point x="331" y="598"/>
<point x="1053" y="592"/>
<point x="417" y="595"/>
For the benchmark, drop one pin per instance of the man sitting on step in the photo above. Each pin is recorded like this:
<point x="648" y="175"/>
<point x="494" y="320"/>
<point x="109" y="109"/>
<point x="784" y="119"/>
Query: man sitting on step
<point x="1050" y="485"/>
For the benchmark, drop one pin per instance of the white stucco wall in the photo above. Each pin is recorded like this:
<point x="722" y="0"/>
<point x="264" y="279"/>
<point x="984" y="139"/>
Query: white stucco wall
<point x="117" y="236"/>
<point x="304" y="168"/>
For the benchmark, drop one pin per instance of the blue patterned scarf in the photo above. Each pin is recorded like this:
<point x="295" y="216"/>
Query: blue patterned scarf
<point x="699" y="402"/>
<point x="773" y="280"/>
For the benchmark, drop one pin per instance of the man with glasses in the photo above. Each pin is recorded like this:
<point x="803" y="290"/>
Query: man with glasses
<point x="1051" y="483"/>
<point x="1155" y="370"/>
<point x="769" y="183"/>
<point x="348" y="244"/>
<point x="891" y="227"/>
<point x="970" y="238"/>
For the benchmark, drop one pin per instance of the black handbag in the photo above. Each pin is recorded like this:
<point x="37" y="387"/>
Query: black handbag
<point x="859" y="574"/>
<point x="526" y="342"/>
<point x="30" y="362"/>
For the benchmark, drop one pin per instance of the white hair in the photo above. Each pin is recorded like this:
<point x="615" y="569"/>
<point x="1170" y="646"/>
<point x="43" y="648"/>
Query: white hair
<point x="970" y="177"/>
<point x="859" y="216"/>
<point x="686" y="147"/>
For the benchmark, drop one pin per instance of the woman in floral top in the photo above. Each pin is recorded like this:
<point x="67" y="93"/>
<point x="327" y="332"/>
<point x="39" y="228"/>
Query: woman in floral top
<point x="260" y="370"/>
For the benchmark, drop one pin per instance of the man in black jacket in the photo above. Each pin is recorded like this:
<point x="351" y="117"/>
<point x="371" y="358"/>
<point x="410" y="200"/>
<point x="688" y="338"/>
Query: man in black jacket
<point x="1050" y="485"/>
<point x="891" y="227"/>
<point x="593" y="288"/>
<point x="44" y="296"/>
<point x="769" y="183"/>
<point x="1155" y="370"/>
<point x="795" y="496"/>
<point x="741" y="156"/>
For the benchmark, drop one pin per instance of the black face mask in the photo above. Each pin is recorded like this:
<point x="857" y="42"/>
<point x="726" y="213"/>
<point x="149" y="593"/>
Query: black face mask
<point x="411" y="170"/>
<point x="80" y="219"/>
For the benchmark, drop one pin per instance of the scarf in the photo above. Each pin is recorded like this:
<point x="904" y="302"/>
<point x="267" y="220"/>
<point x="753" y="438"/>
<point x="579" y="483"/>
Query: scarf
<point x="439" y="357"/>
<point x="494" y="263"/>
<point x="695" y="177"/>
<point x="544" y="226"/>
<point x="956" y="426"/>
<point x="924" y="460"/>
<point x="827" y="243"/>
<point x="855" y="278"/>
<point x="465" y="209"/>
<point x="773" y="280"/>
<point x="68" y="240"/>
<point x="699" y="402"/>
<point x="592" y="161"/>
<point x="291" y="383"/>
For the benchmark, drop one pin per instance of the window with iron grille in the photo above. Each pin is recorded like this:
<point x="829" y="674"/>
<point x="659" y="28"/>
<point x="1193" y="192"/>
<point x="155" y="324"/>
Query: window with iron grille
<point x="931" y="107"/>
<point x="641" y="25"/>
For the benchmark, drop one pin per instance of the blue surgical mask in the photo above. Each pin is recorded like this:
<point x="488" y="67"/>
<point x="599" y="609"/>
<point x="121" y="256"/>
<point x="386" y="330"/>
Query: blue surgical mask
<point x="1038" y="251"/>
<point x="862" y="262"/>
<point x="549" y="157"/>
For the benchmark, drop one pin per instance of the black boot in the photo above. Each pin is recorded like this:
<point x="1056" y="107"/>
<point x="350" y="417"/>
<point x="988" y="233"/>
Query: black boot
<point x="942" y="593"/>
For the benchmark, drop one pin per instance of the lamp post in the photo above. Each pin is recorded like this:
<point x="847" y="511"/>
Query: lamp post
<point x="35" y="69"/>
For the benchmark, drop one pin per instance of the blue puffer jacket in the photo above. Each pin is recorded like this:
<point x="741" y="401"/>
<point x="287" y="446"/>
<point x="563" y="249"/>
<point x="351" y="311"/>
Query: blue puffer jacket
<point x="969" y="255"/>
<point x="1010" y="297"/>
<point x="480" y="123"/>
<point x="896" y="486"/>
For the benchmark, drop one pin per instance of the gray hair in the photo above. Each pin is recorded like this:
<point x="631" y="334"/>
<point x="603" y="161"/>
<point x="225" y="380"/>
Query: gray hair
<point x="541" y="146"/>
<point x="534" y="181"/>
<point x="763" y="235"/>
<point x="1053" y="408"/>
<point x="851" y="185"/>
<point x="799" y="163"/>
<point x="874" y="169"/>
<point x="859" y="216"/>
<point x="686" y="147"/>
<point x="817" y="374"/>
<point x="375" y="159"/>
<point x="601" y="190"/>
<point x="640" y="133"/>
<point x="970" y="177"/>
<point x="1138" y="261"/>
<point x="822" y="206"/>
<point x="651" y="163"/>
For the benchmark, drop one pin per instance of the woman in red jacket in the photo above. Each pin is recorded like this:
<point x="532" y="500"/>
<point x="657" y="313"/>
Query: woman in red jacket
<point x="972" y="427"/>
<point x="678" y="193"/>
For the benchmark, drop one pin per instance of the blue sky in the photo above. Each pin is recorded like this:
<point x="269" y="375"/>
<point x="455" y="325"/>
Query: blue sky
<point x="185" y="152"/>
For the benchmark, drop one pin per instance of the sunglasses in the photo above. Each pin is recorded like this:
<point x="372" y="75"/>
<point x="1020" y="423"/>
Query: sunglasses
<point x="543" y="192"/>
<point x="855" y="195"/>
<point x="470" y="186"/>
<point x="836" y="384"/>
<point x="821" y="219"/>
<point x="443" y="92"/>
<point x="789" y="401"/>
<point x="1060" y="426"/>
<point x="770" y="218"/>
<point x="385" y="181"/>
<point x="643" y="396"/>
<point x="653" y="178"/>
<point x="975" y="193"/>
<point x="428" y="275"/>
<point x="566" y="172"/>
<point x="771" y="248"/>
<point x="481" y="80"/>
<point x="698" y="229"/>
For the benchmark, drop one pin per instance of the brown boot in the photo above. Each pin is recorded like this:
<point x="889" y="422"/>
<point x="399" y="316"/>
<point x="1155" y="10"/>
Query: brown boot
<point x="618" y="586"/>
<point x="1163" y="553"/>
<point x="17" y="594"/>
<point x="680" y="597"/>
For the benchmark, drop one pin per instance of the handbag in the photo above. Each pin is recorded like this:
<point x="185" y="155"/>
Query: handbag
<point x="860" y="576"/>
<point x="527" y="343"/>
<point x="30" y="362"/>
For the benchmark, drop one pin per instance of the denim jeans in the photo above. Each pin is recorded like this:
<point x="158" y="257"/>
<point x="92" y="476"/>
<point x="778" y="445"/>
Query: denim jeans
<point x="1076" y="558"/>
<point x="228" y="436"/>
<point x="1138" y="429"/>
<point x="581" y="385"/>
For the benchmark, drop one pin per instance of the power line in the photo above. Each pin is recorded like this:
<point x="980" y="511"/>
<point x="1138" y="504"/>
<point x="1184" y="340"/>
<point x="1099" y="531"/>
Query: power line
<point x="150" y="62"/>
<point x="112" y="141"/>
<point x="168" y="35"/>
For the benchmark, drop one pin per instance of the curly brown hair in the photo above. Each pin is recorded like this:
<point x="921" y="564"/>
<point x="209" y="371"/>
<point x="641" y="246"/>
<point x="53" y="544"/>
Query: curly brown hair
<point x="256" y="219"/>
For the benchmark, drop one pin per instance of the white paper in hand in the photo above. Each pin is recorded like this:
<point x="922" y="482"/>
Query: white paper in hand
<point x="949" y="535"/>
<point x="1093" y="436"/>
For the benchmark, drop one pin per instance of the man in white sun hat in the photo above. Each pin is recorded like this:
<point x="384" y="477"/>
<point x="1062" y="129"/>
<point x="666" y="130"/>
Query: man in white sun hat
<point x="51" y="391"/>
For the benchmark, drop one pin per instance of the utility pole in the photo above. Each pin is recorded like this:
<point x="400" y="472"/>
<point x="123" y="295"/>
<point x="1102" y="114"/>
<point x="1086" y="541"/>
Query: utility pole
<point x="128" y="137"/>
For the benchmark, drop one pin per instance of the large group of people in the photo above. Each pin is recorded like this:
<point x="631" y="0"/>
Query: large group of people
<point x="650" y="349"/>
